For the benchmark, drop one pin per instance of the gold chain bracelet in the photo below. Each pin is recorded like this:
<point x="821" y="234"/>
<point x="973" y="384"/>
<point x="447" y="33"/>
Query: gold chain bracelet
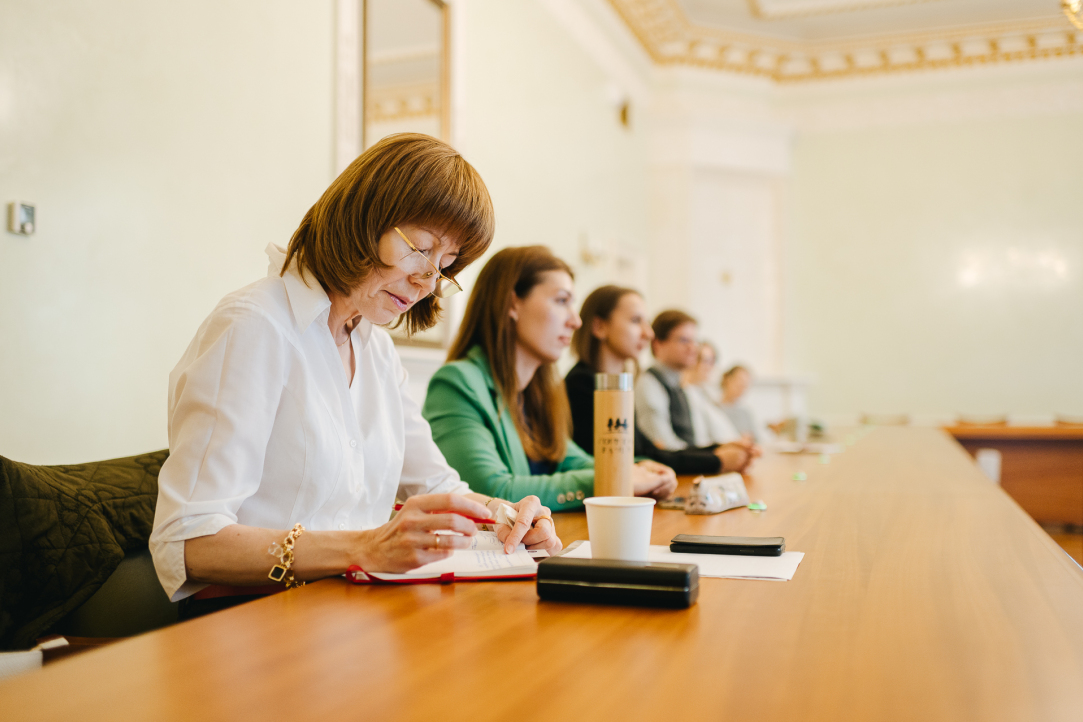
<point x="283" y="571"/>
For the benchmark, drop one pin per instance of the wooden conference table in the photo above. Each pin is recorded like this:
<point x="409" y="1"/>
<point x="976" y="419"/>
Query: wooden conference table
<point x="926" y="593"/>
<point x="1041" y="466"/>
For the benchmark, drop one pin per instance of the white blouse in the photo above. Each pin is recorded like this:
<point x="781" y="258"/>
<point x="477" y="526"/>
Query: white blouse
<point x="265" y="429"/>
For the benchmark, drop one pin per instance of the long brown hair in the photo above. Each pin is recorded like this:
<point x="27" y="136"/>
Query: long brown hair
<point x="540" y="412"/>
<point x="406" y="178"/>
<point x="599" y="305"/>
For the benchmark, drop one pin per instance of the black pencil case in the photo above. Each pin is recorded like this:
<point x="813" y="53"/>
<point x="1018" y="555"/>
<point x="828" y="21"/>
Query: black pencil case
<point x="604" y="581"/>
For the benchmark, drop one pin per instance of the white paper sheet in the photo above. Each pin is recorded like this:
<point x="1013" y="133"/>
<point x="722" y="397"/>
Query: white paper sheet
<point x="722" y="566"/>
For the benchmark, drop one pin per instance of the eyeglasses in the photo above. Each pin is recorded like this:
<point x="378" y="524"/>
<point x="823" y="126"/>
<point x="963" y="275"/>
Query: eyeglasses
<point x="445" y="286"/>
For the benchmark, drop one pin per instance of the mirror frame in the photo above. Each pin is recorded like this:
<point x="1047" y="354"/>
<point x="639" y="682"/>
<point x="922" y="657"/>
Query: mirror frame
<point x="445" y="70"/>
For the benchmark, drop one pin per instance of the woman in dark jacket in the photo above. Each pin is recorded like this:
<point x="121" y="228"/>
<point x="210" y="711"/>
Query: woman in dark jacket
<point x="615" y="331"/>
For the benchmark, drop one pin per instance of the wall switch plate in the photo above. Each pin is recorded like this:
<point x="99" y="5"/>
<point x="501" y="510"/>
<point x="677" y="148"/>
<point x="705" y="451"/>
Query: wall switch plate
<point x="21" y="218"/>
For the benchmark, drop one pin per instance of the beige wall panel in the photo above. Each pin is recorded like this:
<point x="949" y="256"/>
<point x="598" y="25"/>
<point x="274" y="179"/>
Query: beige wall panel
<point x="539" y="119"/>
<point x="939" y="268"/>
<point x="165" y="144"/>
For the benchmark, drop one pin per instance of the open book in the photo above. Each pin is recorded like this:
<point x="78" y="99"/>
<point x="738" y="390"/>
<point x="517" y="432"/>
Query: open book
<point x="484" y="560"/>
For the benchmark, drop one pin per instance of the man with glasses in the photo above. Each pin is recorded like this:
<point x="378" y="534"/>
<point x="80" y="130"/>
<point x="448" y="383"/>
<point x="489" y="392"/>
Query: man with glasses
<point x="662" y="410"/>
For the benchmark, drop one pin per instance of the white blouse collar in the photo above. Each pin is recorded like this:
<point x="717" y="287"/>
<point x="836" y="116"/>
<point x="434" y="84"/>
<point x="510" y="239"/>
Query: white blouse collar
<point x="307" y="298"/>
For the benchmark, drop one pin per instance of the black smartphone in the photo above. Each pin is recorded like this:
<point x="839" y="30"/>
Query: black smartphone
<point x="757" y="546"/>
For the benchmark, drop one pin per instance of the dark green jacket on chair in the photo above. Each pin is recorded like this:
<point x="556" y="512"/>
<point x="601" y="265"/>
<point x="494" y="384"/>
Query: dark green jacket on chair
<point x="64" y="530"/>
<point x="478" y="437"/>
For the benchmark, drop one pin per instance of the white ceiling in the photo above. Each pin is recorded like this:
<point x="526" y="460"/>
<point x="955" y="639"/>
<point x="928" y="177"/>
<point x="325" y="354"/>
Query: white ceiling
<point x="840" y="20"/>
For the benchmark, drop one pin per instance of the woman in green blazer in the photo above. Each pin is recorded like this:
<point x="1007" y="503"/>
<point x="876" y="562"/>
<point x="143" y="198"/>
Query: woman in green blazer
<point x="498" y="410"/>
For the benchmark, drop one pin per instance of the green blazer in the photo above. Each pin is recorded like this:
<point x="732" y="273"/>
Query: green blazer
<point x="479" y="439"/>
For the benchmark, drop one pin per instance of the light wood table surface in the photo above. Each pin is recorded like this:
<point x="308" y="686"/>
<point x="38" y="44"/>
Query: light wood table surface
<point x="925" y="594"/>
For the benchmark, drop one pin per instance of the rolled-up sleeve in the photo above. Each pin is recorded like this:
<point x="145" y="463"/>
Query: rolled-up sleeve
<point x="224" y="395"/>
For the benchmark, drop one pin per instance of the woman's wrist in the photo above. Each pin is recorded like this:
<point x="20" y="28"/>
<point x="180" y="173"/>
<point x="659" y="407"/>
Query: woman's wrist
<point x="330" y="553"/>
<point x="364" y="550"/>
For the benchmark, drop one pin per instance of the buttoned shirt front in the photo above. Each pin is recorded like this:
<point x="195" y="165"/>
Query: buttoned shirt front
<point x="266" y="429"/>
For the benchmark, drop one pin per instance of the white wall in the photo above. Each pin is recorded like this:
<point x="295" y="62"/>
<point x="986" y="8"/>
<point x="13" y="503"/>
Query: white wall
<point x="165" y="144"/>
<point x="718" y="202"/>
<point x="937" y="268"/>
<point x="847" y="216"/>
<point x="534" y="112"/>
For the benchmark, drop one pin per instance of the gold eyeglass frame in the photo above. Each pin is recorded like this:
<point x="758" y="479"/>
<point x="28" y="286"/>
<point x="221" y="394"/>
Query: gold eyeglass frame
<point x="436" y="269"/>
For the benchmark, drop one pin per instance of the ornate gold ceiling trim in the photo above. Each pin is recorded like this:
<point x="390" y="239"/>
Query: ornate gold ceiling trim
<point x="1073" y="10"/>
<point x="758" y="11"/>
<point x="670" y="38"/>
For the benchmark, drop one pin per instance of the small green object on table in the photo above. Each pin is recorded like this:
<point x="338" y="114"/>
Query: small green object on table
<point x="758" y="506"/>
<point x="800" y="476"/>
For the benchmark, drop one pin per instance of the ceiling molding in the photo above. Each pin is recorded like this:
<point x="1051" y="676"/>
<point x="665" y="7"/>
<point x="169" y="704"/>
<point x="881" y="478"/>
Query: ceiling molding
<point x="670" y="38"/>
<point x="767" y="10"/>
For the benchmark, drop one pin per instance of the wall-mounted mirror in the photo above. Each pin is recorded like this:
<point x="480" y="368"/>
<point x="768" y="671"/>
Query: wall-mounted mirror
<point x="406" y="68"/>
<point x="405" y="88"/>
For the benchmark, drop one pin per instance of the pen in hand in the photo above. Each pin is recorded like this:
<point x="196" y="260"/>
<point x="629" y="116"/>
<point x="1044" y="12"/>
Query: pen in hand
<point x="506" y="516"/>
<point x="474" y="519"/>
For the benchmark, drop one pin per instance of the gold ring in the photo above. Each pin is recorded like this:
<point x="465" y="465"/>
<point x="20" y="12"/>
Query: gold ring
<point x="437" y="540"/>
<point x="545" y="518"/>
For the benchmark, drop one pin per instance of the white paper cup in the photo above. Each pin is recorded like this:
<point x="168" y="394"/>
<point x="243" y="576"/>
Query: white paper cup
<point x="619" y="527"/>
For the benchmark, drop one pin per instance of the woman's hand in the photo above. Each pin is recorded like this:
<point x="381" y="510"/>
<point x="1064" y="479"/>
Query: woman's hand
<point x="410" y="539"/>
<point x="649" y="478"/>
<point x="533" y="526"/>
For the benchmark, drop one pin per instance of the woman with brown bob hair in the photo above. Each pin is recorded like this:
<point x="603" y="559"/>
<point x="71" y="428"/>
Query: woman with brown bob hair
<point x="498" y="409"/>
<point x="291" y="431"/>
<point x="614" y="333"/>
